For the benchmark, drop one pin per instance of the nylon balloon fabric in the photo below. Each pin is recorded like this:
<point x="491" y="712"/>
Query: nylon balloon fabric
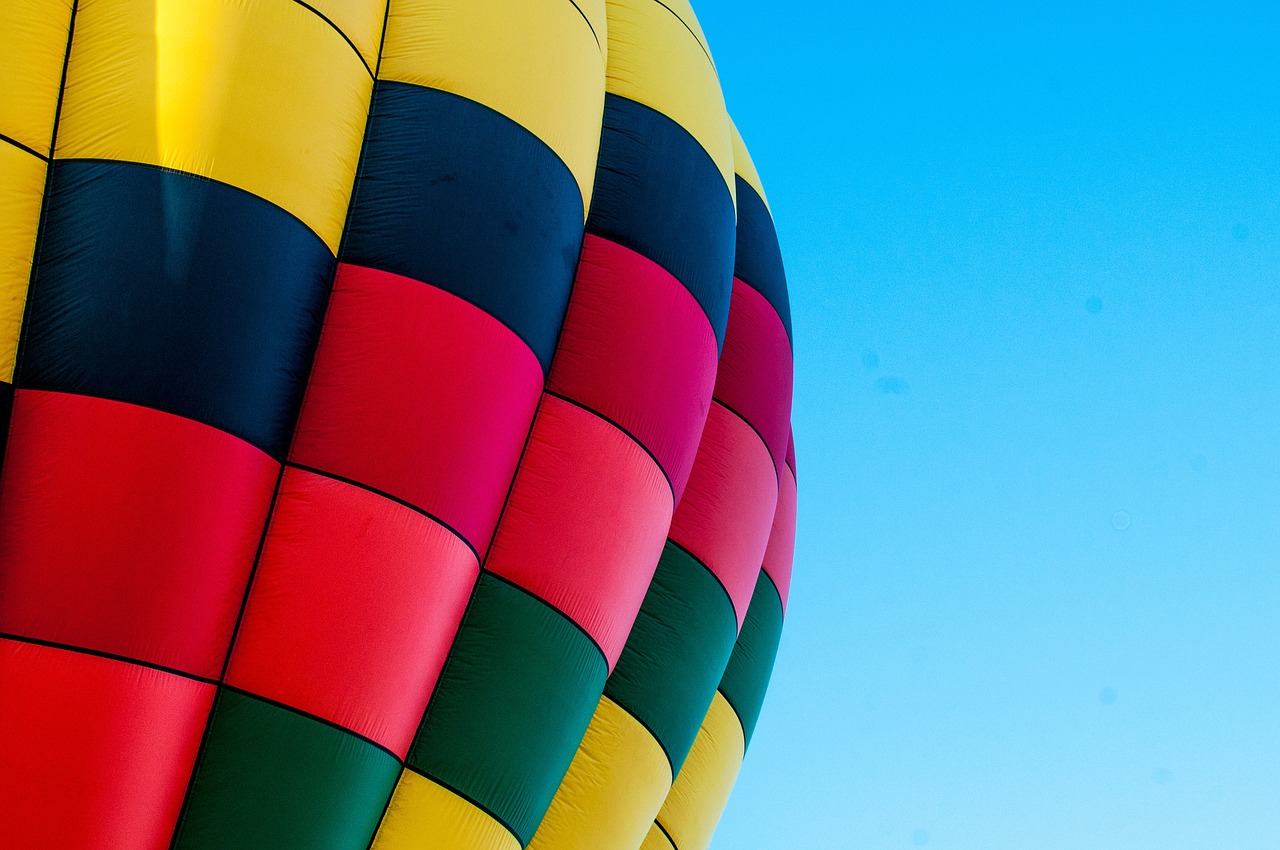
<point x="395" y="400"/>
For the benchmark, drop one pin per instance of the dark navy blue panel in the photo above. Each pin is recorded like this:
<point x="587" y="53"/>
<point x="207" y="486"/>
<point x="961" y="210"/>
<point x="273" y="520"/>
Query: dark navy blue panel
<point x="747" y="676"/>
<point x="457" y="195"/>
<point x="676" y="653"/>
<point x="660" y="194"/>
<point x="175" y="292"/>
<point x="759" y="259"/>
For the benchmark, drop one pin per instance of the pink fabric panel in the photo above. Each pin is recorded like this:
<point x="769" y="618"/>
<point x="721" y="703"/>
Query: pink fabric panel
<point x="755" y="369"/>
<point x="727" y="509"/>
<point x="586" y="522"/>
<point x="638" y="348"/>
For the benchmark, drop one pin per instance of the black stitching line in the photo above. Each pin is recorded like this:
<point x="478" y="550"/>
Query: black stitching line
<point x="465" y="796"/>
<point x="338" y="30"/>
<point x="369" y="488"/>
<point x="623" y="429"/>
<point x="44" y="212"/>
<point x="20" y="146"/>
<point x="594" y="34"/>
<point x="720" y="582"/>
<point x="663" y="830"/>
<point x="701" y="46"/>
<point x="772" y="460"/>
<point x="98" y="653"/>
<point x="271" y="506"/>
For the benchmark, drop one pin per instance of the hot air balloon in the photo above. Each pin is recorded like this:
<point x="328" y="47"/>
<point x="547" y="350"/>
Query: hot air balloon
<point x="396" y="404"/>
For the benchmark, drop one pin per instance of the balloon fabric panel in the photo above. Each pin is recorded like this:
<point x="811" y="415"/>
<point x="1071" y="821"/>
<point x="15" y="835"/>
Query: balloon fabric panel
<point x="393" y="399"/>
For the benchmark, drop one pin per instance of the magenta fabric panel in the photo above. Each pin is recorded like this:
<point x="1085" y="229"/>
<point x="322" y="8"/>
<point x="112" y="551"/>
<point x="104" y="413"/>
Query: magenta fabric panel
<point x="755" y="375"/>
<point x="637" y="348"/>
<point x="779" y="554"/>
<point x="420" y="395"/>
<point x="127" y="530"/>
<point x="727" y="510"/>
<point x="584" y="525"/>
<point x="353" y="608"/>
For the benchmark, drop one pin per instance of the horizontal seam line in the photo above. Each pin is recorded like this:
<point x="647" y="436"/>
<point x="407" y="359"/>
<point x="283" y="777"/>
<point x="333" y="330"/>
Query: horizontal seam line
<point x="776" y="589"/>
<point x="465" y="796"/>
<point x="598" y="648"/>
<point x="737" y="715"/>
<point x="773" y="461"/>
<point x="623" y="429"/>
<point x="594" y="34"/>
<point x="671" y="766"/>
<point x="98" y="653"/>
<point x="758" y="291"/>
<point x="719" y="581"/>
<point x="663" y="830"/>
<point x="730" y="190"/>
<point x="384" y="82"/>
<point x="62" y="161"/>
<point x="701" y="46"/>
<point x="29" y="387"/>
<point x="384" y="494"/>
<point x="333" y="724"/>
<point x="20" y="146"/>
<point x="339" y="31"/>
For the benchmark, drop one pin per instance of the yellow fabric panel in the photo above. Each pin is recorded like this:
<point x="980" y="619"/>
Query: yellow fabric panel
<point x="361" y="22"/>
<point x="655" y="840"/>
<point x="614" y="788"/>
<point x="693" y="807"/>
<point x="683" y="10"/>
<point x="425" y="816"/>
<point x="535" y="61"/>
<point x="33" y="43"/>
<point x="593" y="11"/>
<point x="260" y="94"/>
<point x="655" y="60"/>
<point x="744" y="166"/>
<point x="21" y="188"/>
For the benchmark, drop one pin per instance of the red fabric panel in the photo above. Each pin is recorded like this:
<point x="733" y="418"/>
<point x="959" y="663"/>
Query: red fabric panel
<point x="586" y="522"/>
<point x="353" y="608"/>
<point x="128" y="530"/>
<point x="780" y="552"/>
<point x="755" y="369"/>
<point x="96" y="752"/>
<point x="637" y="347"/>
<point x="727" y="510"/>
<point x="791" y="456"/>
<point x="421" y="395"/>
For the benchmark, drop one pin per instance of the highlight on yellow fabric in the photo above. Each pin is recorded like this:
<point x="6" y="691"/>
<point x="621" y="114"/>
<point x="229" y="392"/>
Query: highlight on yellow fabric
<point x="261" y="94"/>
<point x="743" y="165"/>
<point x="33" y="43"/>
<point x="613" y="789"/>
<point x="598" y="19"/>
<point x="426" y="816"/>
<point x="537" y="62"/>
<point x="655" y="840"/>
<point x="21" y="189"/>
<point x="698" y="797"/>
<point x="361" y="22"/>
<point x="655" y="60"/>
<point x="683" y="10"/>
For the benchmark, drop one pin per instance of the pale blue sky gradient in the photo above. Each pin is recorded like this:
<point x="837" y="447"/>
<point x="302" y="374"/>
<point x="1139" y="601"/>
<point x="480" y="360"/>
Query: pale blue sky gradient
<point x="1034" y="257"/>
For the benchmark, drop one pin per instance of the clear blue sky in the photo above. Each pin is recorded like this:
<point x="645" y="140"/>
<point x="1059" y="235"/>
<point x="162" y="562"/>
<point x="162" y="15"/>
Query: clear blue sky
<point x="1034" y="256"/>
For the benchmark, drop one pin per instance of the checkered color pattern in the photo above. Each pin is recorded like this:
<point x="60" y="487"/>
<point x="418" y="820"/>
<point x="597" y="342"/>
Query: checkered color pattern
<point x="395" y="398"/>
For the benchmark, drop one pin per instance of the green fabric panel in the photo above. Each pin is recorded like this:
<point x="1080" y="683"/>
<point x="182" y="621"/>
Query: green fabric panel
<point x="676" y="653"/>
<point x="512" y="705"/>
<point x="747" y="676"/>
<point x="270" y="777"/>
